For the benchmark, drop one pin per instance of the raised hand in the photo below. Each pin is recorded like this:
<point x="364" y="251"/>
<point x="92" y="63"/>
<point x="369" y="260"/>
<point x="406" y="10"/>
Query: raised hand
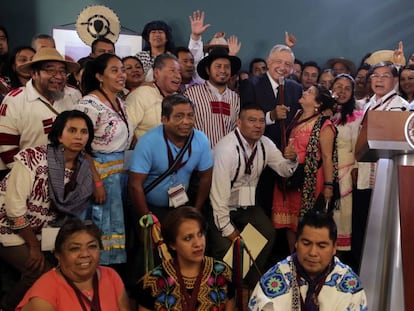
<point x="290" y="39"/>
<point x="398" y="56"/>
<point x="234" y="45"/>
<point x="197" y="24"/>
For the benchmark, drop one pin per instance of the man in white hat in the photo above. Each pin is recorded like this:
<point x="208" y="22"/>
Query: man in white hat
<point x="27" y="113"/>
<point x="216" y="107"/>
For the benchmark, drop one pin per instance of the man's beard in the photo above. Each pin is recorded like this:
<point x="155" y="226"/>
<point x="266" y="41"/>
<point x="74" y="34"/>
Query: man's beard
<point x="57" y="95"/>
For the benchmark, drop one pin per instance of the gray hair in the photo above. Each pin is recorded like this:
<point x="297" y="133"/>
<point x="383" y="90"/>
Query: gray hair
<point x="281" y="48"/>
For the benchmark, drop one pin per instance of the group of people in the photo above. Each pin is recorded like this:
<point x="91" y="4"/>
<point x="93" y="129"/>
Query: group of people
<point x="110" y="140"/>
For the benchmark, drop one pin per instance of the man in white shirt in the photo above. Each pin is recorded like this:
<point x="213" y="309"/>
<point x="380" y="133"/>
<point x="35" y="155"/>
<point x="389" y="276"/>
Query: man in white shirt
<point x="239" y="159"/>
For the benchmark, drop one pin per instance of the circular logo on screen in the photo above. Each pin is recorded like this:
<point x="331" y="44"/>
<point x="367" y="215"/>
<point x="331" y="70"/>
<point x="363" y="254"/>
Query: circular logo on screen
<point x="409" y="130"/>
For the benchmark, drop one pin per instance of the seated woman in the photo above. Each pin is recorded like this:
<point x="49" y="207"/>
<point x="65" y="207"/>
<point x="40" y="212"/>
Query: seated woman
<point x="190" y="281"/>
<point x="45" y="185"/>
<point x="78" y="283"/>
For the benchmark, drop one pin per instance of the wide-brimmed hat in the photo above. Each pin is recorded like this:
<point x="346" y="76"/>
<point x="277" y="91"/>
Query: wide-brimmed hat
<point x="346" y="62"/>
<point x="383" y="56"/>
<point x="48" y="55"/>
<point x="216" y="42"/>
<point x="97" y="21"/>
<point x="216" y="53"/>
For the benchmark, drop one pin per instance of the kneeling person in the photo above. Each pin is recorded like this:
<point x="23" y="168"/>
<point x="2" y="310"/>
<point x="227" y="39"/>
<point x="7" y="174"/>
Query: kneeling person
<point x="239" y="159"/>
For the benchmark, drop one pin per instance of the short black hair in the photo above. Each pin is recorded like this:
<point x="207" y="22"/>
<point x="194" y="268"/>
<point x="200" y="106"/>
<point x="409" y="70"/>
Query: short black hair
<point x="101" y="39"/>
<point x="317" y="219"/>
<point x="250" y="106"/>
<point x="59" y="125"/>
<point x="254" y="61"/>
<point x="75" y="225"/>
<point x="172" y="100"/>
<point x="311" y="64"/>
<point x="179" y="49"/>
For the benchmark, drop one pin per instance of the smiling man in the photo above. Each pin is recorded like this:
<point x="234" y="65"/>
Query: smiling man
<point x="239" y="159"/>
<point x="144" y="103"/>
<point x="216" y="106"/>
<point x="312" y="278"/>
<point x="27" y="113"/>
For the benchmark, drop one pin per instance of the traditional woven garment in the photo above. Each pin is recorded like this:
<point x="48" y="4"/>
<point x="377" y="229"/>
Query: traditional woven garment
<point x="164" y="286"/>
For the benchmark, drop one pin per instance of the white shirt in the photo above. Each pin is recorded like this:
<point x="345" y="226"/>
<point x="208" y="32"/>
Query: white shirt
<point x="229" y="161"/>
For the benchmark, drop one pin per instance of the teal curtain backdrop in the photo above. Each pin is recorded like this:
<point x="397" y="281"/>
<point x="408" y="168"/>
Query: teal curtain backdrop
<point x="324" y="28"/>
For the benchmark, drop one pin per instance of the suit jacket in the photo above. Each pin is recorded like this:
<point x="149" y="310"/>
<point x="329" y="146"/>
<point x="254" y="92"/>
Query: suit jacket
<point x="258" y="90"/>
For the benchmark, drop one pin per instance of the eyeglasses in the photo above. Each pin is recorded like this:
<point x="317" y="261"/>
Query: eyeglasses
<point x="381" y="76"/>
<point x="55" y="72"/>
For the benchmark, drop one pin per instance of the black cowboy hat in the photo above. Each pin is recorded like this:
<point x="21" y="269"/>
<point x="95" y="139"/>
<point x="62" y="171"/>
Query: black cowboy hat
<point x="216" y="53"/>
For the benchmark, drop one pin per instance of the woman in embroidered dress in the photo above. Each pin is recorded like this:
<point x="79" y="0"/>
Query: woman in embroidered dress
<point x="190" y="281"/>
<point x="78" y="282"/>
<point x="312" y="135"/>
<point x="46" y="182"/>
<point x="102" y="80"/>
<point x="347" y="120"/>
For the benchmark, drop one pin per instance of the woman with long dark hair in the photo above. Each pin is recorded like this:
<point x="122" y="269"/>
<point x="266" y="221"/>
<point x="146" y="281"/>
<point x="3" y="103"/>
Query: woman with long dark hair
<point x="347" y="121"/>
<point x="102" y="80"/>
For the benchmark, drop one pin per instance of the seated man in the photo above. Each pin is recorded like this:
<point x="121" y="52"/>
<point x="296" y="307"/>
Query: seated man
<point x="312" y="278"/>
<point x="239" y="159"/>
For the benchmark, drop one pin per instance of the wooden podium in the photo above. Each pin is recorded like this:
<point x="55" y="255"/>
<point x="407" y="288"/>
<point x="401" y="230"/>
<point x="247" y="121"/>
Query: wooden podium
<point x="387" y="267"/>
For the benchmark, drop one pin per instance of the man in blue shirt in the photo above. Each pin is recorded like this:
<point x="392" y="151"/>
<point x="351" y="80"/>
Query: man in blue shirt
<point x="157" y="151"/>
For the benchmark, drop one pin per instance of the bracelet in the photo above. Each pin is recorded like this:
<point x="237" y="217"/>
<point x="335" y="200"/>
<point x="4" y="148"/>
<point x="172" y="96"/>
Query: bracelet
<point x="98" y="183"/>
<point x="328" y="184"/>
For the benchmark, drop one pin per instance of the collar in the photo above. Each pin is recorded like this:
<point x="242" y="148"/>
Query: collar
<point x="215" y="90"/>
<point x="272" y="82"/>
<point x="375" y="101"/>
<point x="244" y="141"/>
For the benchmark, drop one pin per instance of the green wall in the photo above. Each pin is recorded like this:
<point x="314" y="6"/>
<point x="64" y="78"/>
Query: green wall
<point x="324" y="28"/>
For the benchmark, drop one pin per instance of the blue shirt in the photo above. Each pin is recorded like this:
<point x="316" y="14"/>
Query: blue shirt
<point x="150" y="157"/>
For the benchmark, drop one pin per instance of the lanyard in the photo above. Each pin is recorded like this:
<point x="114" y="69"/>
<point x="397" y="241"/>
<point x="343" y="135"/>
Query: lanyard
<point x="384" y="102"/>
<point x="121" y="111"/>
<point x="170" y="156"/>
<point x="95" y="303"/>
<point x="248" y="161"/>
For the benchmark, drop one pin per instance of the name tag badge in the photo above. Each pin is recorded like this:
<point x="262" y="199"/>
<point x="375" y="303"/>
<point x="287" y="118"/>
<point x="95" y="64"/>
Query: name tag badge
<point x="177" y="196"/>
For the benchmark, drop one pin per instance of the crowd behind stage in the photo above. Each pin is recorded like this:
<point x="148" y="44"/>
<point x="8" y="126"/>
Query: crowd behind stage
<point x="106" y="146"/>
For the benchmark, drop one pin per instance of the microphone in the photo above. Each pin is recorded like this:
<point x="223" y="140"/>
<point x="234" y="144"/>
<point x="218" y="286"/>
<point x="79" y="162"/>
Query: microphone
<point x="281" y="81"/>
<point x="399" y="108"/>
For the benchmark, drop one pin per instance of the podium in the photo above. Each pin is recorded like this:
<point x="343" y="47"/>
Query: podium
<point x="387" y="267"/>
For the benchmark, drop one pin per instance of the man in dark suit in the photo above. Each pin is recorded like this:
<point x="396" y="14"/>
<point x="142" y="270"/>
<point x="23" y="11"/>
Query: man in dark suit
<point x="264" y="91"/>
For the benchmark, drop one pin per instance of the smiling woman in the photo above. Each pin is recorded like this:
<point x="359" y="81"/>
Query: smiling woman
<point x="102" y="80"/>
<point x="78" y="279"/>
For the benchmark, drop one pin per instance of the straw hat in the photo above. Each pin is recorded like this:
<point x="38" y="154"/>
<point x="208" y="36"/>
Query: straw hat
<point x="383" y="56"/>
<point x="97" y="21"/>
<point x="51" y="55"/>
<point x="218" y="41"/>
<point x="216" y="53"/>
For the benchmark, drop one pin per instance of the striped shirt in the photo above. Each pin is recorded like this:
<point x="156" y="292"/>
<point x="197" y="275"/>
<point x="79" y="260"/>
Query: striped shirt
<point x="215" y="114"/>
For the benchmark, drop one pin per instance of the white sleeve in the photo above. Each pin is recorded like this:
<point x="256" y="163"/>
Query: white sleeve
<point x="221" y="189"/>
<point x="258" y="300"/>
<point x="276" y="161"/>
<point x="196" y="48"/>
<point x="19" y="187"/>
<point x="269" y="121"/>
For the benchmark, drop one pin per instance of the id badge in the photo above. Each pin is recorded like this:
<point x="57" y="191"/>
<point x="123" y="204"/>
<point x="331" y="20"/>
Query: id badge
<point x="177" y="196"/>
